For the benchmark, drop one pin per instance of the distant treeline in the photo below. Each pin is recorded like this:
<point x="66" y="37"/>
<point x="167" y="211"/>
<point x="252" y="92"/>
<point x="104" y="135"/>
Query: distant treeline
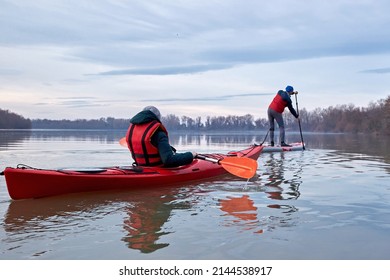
<point x="342" y="118"/>
<point x="348" y="118"/>
<point x="9" y="120"/>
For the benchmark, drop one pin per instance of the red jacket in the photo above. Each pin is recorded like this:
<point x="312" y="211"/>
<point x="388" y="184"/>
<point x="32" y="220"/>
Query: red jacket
<point x="138" y="138"/>
<point x="281" y="101"/>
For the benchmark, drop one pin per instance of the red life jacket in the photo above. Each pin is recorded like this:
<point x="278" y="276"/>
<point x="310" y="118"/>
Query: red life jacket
<point x="139" y="142"/>
<point x="278" y="104"/>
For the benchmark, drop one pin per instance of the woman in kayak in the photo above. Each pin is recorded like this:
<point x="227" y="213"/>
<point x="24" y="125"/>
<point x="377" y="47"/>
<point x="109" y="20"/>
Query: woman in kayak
<point x="147" y="140"/>
<point x="275" y="111"/>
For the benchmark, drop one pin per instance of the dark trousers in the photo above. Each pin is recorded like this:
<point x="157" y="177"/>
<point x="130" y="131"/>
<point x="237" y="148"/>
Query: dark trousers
<point x="278" y="117"/>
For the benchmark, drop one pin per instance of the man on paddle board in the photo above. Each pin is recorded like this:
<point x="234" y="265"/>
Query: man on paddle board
<point x="147" y="140"/>
<point x="275" y="111"/>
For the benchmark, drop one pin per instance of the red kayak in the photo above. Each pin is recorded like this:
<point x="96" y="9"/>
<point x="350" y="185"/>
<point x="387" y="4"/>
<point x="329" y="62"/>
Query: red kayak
<point x="25" y="182"/>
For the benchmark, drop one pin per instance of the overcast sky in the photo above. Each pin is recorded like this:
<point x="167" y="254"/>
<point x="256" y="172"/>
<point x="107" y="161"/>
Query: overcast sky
<point x="90" y="59"/>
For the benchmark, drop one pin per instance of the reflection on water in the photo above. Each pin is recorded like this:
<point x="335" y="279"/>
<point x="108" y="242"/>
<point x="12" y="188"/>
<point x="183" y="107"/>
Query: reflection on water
<point x="12" y="138"/>
<point x="348" y="143"/>
<point x="144" y="219"/>
<point x="148" y="213"/>
<point x="279" y="179"/>
<point x="279" y="186"/>
<point x="145" y="213"/>
<point x="16" y="137"/>
<point x="243" y="211"/>
<point x="338" y="187"/>
<point x="362" y="144"/>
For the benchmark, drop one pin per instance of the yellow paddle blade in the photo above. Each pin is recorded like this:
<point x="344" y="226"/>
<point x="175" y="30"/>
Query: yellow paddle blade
<point x="240" y="166"/>
<point x="123" y="142"/>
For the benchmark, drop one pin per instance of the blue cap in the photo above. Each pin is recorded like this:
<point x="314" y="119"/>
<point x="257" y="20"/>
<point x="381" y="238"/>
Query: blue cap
<point x="289" y="89"/>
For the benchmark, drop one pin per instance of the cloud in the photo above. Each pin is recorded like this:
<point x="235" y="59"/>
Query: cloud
<point x="206" y="99"/>
<point x="135" y="50"/>
<point x="72" y="102"/>
<point x="377" y="71"/>
<point x="10" y="72"/>
<point x="170" y="70"/>
<point x="159" y="38"/>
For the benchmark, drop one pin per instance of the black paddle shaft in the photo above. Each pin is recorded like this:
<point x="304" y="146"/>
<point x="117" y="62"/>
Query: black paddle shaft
<point x="299" y="121"/>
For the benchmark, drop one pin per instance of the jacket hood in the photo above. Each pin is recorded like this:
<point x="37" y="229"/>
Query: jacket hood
<point x="144" y="117"/>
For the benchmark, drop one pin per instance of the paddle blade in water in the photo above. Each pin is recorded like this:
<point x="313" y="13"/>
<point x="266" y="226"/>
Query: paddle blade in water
<point x="241" y="167"/>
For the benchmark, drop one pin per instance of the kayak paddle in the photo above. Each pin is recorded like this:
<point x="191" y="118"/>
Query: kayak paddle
<point x="123" y="142"/>
<point x="239" y="166"/>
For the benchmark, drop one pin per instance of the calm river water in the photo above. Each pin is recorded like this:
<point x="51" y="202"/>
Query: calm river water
<point x="329" y="202"/>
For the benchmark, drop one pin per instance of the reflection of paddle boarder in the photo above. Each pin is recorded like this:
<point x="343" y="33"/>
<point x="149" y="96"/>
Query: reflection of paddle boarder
<point x="276" y="180"/>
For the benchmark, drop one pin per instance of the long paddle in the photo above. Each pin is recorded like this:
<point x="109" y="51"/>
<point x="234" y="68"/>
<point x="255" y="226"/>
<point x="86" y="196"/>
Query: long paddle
<point x="299" y="122"/>
<point x="239" y="166"/>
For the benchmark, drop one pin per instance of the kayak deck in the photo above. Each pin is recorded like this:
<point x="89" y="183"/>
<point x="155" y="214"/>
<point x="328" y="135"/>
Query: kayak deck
<point x="24" y="182"/>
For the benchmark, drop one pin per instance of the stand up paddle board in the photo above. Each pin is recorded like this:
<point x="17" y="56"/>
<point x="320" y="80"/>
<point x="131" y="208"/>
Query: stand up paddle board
<point x="298" y="146"/>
